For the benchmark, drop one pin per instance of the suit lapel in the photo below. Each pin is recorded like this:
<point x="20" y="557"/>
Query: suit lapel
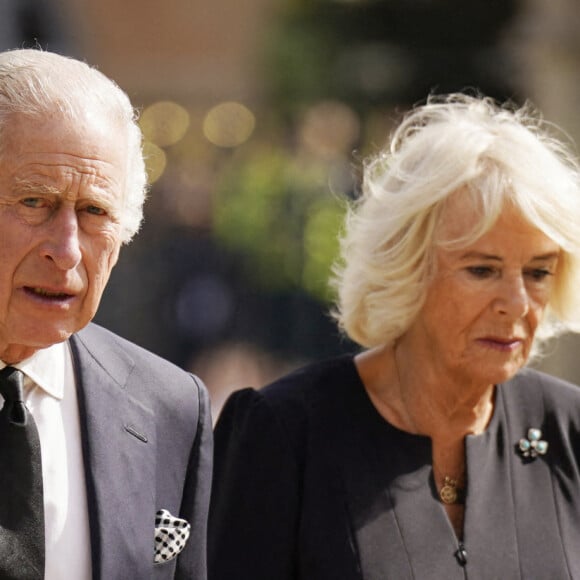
<point x="119" y="454"/>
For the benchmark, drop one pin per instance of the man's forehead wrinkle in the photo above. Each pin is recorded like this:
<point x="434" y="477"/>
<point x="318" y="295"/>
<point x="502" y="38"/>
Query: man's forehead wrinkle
<point x="36" y="175"/>
<point x="62" y="159"/>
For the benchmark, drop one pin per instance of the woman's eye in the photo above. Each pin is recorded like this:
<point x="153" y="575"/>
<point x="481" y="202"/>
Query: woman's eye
<point x="481" y="271"/>
<point x="538" y="274"/>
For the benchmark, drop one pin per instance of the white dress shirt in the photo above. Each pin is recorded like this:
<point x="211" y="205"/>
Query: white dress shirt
<point x="50" y="395"/>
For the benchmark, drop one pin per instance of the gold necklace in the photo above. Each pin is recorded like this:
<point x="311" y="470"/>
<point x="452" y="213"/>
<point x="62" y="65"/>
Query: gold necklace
<point x="451" y="493"/>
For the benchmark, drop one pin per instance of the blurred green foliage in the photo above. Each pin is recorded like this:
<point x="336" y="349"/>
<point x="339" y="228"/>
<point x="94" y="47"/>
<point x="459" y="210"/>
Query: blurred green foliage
<point x="276" y="208"/>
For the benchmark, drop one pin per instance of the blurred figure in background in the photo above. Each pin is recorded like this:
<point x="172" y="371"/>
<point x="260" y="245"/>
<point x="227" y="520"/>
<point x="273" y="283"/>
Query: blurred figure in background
<point x="105" y="449"/>
<point x="433" y="452"/>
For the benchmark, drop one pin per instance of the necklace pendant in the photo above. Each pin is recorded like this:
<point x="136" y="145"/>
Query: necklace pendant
<point x="450" y="493"/>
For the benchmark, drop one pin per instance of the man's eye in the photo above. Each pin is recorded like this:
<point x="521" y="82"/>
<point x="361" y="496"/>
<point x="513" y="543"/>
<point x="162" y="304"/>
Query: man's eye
<point x="33" y="202"/>
<point x="94" y="210"/>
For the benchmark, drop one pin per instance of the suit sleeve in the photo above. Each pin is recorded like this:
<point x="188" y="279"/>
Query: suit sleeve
<point x="255" y="498"/>
<point x="192" y="562"/>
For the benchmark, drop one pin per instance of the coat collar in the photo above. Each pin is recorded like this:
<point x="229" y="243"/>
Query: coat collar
<point x="119" y="454"/>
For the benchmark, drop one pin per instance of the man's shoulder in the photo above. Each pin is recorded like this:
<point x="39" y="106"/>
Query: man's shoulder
<point x="112" y="352"/>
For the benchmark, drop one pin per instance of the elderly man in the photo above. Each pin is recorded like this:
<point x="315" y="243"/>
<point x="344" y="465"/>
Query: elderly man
<point x="105" y="449"/>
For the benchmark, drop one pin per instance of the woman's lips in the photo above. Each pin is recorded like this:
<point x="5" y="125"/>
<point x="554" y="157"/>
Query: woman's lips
<point x="500" y="343"/>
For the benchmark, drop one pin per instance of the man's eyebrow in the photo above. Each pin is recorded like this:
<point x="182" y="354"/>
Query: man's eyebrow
<point x="35" y="188"/>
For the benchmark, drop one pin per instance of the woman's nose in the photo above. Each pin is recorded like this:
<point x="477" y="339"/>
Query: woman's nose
<point x="513" y="298"/>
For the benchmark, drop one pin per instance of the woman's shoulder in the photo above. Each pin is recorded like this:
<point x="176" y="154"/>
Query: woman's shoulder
<point x="312" y="380"/>
<point x="534" y="389"/>
<point x="304" y="384"/>
<point x="296" y="395"/>
<point x="529" y="379"/>
<point x="279" y="418"/>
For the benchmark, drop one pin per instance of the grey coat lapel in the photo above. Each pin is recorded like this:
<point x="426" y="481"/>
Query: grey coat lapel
<point x="386" y="478"/>
<point x="119" y="453"/>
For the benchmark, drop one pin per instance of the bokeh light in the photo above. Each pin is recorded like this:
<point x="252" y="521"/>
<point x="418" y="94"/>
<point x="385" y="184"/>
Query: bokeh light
<point x="229" y="124"/>
<point x="164" y="123"/>
<point x="329" y="128"/>
<point x="155" y="160"/>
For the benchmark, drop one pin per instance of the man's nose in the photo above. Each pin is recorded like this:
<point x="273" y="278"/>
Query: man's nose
<point x="62" y="244"/>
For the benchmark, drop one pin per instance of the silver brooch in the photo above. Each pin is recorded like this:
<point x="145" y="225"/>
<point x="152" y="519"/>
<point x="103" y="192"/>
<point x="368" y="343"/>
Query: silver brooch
<point x="534" y="445"/>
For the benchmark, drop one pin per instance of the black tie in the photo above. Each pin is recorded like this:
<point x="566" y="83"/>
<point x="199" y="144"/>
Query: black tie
<point x="21" y="504"/>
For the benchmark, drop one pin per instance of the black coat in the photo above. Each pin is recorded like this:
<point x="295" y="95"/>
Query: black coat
<point x="311" y="483"/>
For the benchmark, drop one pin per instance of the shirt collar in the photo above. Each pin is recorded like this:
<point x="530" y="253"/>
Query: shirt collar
<point x="46" y="368"/>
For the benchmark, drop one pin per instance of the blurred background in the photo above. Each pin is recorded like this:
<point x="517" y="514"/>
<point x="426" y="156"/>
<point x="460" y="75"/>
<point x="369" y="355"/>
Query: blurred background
<point x="257" y="114"/>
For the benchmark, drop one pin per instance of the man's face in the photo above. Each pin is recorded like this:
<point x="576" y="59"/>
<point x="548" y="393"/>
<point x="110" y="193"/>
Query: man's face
<point x="61" y="186"/>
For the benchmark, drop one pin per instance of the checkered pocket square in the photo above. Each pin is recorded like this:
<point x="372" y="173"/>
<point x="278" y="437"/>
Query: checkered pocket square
<point x="171" y="535"/>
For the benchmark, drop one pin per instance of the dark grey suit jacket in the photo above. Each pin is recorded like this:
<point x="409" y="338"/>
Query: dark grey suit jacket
<point x="147" y="444"/>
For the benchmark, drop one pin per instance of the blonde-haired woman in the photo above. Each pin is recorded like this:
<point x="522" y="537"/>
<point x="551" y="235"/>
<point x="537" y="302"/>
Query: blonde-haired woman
<point x="433" y="452"/>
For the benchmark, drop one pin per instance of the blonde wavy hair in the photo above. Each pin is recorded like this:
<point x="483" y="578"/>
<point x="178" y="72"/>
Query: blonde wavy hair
<point x="465" y="145"/>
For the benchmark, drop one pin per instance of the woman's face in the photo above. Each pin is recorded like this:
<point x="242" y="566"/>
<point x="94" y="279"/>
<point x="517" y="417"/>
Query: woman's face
<point x="486" y="300"/>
